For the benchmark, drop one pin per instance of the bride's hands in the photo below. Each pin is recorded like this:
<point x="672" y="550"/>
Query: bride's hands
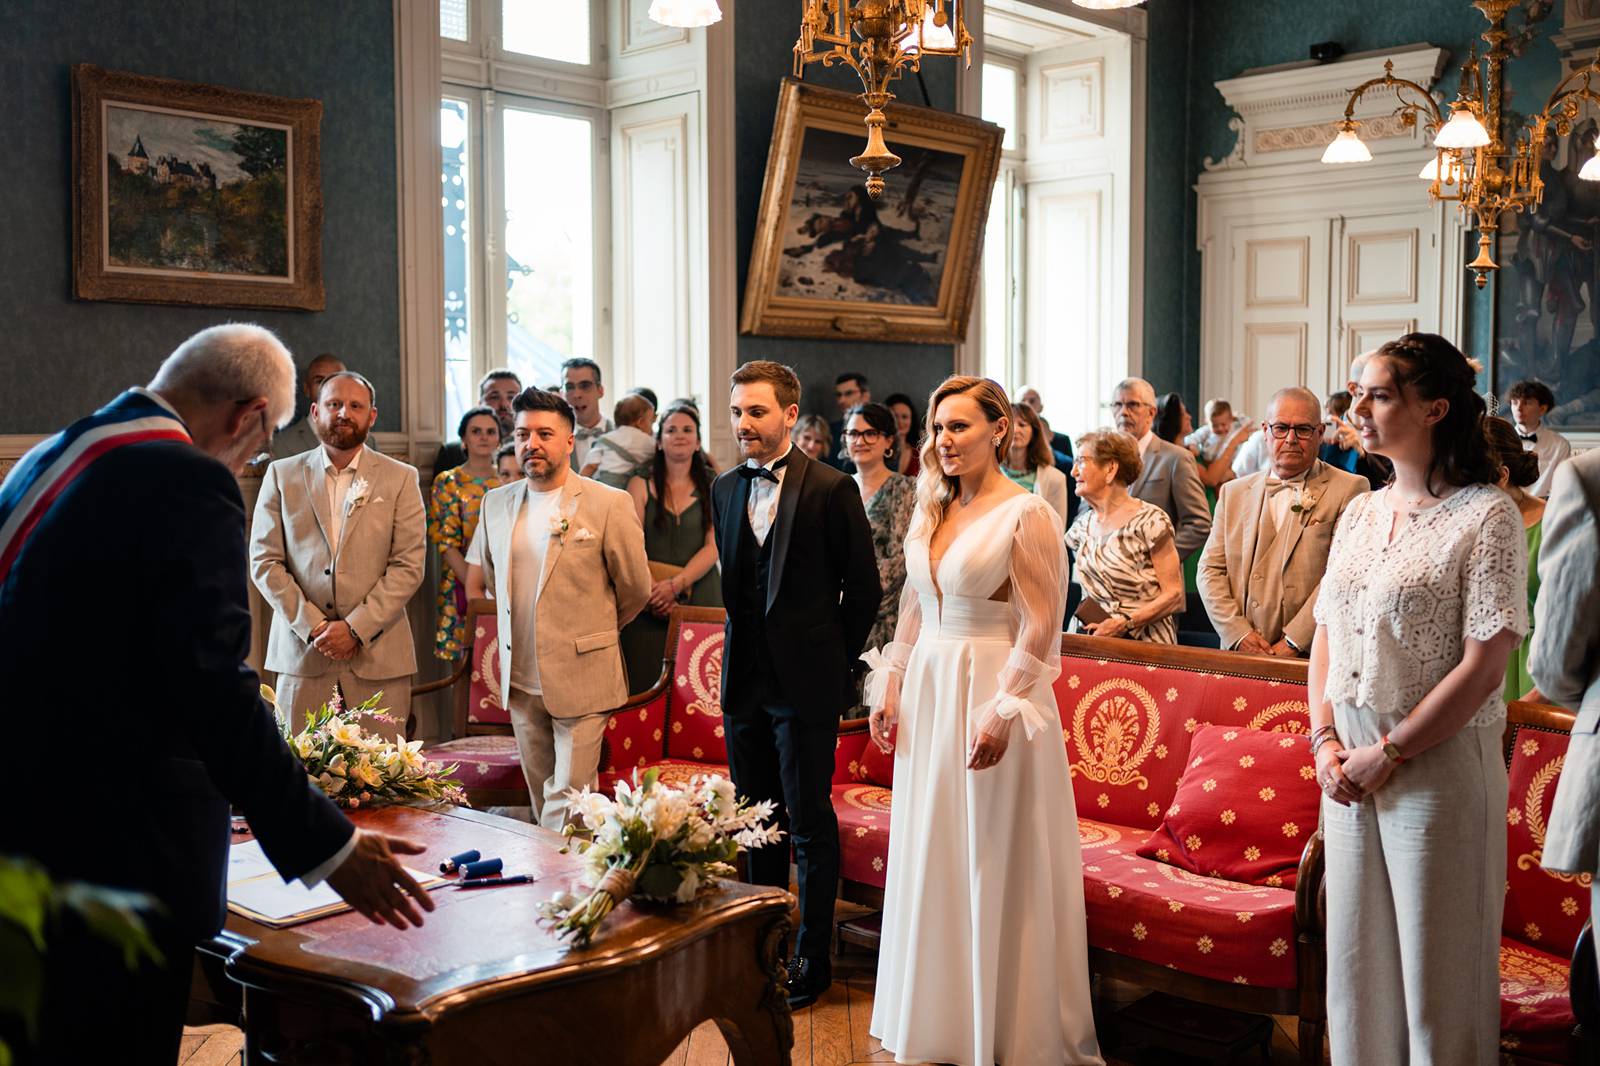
<point x="881" y="723"/>
<point x="989" y="745"/>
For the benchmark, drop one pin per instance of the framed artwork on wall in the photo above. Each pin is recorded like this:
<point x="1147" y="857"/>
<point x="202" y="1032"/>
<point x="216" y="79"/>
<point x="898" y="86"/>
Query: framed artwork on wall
<point x="194" y="194"/>
<point x="828" y="261"/>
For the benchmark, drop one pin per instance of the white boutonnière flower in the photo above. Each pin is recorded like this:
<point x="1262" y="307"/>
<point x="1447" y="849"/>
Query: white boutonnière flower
<point x="357" y="494"/>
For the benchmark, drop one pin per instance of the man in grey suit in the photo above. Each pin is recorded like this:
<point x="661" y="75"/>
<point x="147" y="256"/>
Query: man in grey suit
<point x="1564" y="659"/>
<point x="1263" y="565"/>
<point x="338" y="548"/>
<point x="1170" y="479"/>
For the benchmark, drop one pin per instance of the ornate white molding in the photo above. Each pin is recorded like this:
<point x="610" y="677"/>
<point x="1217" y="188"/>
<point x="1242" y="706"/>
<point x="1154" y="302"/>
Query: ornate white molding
<point x="1292" y="138"/>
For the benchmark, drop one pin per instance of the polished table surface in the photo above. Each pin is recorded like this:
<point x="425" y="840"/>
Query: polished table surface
<point x="483" y="982"/>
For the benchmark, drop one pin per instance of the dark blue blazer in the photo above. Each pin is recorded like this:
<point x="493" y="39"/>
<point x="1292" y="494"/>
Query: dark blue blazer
<point x="131" y="721"/>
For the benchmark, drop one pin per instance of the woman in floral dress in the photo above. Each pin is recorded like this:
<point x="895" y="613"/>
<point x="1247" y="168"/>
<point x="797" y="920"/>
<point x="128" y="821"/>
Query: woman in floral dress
<point x="453" y="518"/>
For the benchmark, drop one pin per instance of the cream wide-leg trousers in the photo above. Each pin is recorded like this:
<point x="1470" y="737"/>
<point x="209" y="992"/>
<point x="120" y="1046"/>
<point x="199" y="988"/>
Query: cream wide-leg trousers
<point x="305" y="694"/>
<point x="557" y="754"/>
<point x="1415" y="890"/>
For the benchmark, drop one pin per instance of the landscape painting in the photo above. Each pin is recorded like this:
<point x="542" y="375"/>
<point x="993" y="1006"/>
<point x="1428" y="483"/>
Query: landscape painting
<point x="195" y="194"/>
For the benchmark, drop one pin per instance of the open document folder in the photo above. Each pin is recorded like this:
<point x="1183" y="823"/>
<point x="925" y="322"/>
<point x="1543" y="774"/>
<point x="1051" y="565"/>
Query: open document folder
<point x="255" y="890"/>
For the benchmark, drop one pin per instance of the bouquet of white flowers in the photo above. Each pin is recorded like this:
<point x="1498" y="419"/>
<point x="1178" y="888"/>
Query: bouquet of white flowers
<point x="657" y="842"/>
<point x="356" y="768"/>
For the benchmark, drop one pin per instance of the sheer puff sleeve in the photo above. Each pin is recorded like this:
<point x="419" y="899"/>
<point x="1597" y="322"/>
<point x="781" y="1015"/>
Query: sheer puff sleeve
<point x="1038" y="574"/>
<point x="887" y="665"/>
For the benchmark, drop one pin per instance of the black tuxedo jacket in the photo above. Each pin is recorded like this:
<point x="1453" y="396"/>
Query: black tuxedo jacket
<point x="822" y="591"/>
<point x="130" y="717"/>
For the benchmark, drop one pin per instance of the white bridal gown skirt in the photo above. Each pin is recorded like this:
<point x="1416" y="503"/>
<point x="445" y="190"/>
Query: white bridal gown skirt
<point x="984" y="956"/>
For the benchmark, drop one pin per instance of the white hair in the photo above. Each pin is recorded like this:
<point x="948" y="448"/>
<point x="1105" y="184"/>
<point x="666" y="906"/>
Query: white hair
<point x="229" y="363"/>
<point x="1136" y="385"/>
<point x="1359" y="363"/>
<point x="1296" y="392"/>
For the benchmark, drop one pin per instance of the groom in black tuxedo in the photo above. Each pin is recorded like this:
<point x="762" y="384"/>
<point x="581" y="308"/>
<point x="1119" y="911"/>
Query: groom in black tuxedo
<point x="801" y="585"/>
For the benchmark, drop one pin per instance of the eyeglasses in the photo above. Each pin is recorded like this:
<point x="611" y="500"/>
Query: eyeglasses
<point x="1281" y="430"/>
<point x="868" y="436"/>
<point x="579" y="386"/>
<point x="1128" y="405"/>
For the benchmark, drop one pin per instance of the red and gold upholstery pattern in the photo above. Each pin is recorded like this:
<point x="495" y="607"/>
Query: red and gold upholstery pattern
<point x="635" y="739"/>
<point x="863" y="812"/>
<point x="487" y="761"/>
<point x="695" y="720"/>
<point x="486" y="703"/>
<point x="1544" y="910"/>
<point x="1536" y="1019"/>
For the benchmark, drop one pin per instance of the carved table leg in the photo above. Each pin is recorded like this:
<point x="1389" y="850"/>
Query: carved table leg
<point x="764" y="1034"/>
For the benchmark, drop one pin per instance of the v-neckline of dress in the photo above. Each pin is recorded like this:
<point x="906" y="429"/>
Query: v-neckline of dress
<point x="935" y="564"/>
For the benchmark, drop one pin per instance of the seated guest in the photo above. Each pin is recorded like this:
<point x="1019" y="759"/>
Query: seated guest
<point x="1030" y="463"/>
<point x="1270" y="535"/>
<point x="908" y="438"/>
<point x="1166" y="475"/>
<point x="1216" y="443"/>
<point x="625" y="452"/>
<point x="1531" y="402"/>
<point x="1173" y="423"/>
<point x="813" y="437"/>
<point x="505" y="464"/>
<point x="871" y="437"/>
<point x="496" y="390"/>
<point x="453" y="518"/>
<point x="300" y="435"/>
<point x="849" y="391"/>
<point x="1127" y="564"/>
<point x="1519" y="469"/>
<point x="673" y="503"/>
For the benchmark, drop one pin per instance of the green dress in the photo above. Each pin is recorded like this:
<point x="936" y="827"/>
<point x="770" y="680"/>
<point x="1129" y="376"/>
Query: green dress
<point x="674" y="541"/>
<point x="1517" y="679"/>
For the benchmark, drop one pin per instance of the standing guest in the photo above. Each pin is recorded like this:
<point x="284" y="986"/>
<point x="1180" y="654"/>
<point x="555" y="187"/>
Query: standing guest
<point x="871" y="437"/>
<point x="984" y="956"/>
<point x="908" y="434"/>
<point x="300" y="435"/>
<point x="1423" y="601"/>
<point x="1173" y="423"/>
<point x="1518" y="470"/>
<point x="158" y="465"/>
<point x="1127" y="564"/>
<point x="1353" y="454"/>
<point x="581" y="385"/>
<point x="1166" y="473"/>
<point x="1263" y="564"/>
<point x="813" y="437"/>
<point x="850" y="390"/>
<point x="1338" y="405"/>
<point x="496" y="390"/>
<point x="453" y="518"/>
<point x="1030" y="462"/>
<point x="649" y="396"/>
<point x="563" y="558"/>
<point x="673" y="504"/>
<point x="626" y="452"/>
<point x="338" y="548"/>
<point x="797" y="552"/>
<point x="1530" y="403"/>
<point x="505" y="464"/>
<point x="1216" y="444"/>
<point x="1565" y="661"/>
<point x="1060" y="443"/>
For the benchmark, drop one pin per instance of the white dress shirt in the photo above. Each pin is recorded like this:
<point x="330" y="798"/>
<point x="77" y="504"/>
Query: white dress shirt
<point x="1551" y="448"/>
<point x="1144" y="442"/>
<point x="762" y="506"/>
<point x="338" y="484"/>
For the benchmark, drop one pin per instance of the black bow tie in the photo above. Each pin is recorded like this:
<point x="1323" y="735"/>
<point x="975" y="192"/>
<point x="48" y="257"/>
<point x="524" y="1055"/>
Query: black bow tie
<point x="1529" y="436"/>
<point x="750" y="473"/>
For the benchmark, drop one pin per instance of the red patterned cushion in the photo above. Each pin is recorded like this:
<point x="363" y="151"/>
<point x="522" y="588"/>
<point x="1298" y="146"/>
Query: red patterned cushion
<point x="1535" y="1006"/>
<point x="863" y="812"/>
<point x="1206" y="926"/>
<point x="695" y="717"/>
<point x="485" y="761"/>
<point x="877" y="766"/>
<point x="1543" y="909"/>
<point x="675" y="772"/>
<point x="636" y="736"/>
<point x="1246" y="805"/>
<point x="485" y="702"/>
<point x="1127" y="728"/>
<point x="847" y="751"/>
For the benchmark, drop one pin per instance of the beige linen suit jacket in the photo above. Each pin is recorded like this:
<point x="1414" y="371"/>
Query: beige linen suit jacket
<point x="366" y="579"/>
<point x="1236" y="603"/>
<point x="597" y="578"/>
<point x="1564" y="658"/>
<point x="1171" y="480"/>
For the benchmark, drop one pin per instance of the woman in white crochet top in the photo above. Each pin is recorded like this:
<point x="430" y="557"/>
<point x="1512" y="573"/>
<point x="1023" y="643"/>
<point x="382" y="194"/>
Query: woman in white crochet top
<point x="1423" y="601"/>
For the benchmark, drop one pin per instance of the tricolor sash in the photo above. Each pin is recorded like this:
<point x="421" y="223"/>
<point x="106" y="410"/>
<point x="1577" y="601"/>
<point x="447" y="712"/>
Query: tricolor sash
<point x="41" y="476"/>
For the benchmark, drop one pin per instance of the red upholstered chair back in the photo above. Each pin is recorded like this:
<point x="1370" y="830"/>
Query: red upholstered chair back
<point x="694" y="701"/>
<point x="485" y="701"/>
<point x="1543" y="909"/>
<point x="1127" y="724"/>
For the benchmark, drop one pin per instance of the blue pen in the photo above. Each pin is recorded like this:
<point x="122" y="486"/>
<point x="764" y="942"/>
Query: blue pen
<point x="490" y="882"/>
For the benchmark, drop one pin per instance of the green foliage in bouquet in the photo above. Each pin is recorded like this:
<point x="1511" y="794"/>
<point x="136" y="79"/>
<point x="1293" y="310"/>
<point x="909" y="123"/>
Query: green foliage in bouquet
<point x="657" y="842"/>
<point x="357" y="768"/>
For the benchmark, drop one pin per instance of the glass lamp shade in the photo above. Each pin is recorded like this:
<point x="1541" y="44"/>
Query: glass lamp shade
<point x="932" y="35"/>
<point x="1462" y="131"/>
<point x="685" y="13"/>
<point x="1346" y="148"/>
<point x="1452" y="171"/>
<point x="1591" y="169"/>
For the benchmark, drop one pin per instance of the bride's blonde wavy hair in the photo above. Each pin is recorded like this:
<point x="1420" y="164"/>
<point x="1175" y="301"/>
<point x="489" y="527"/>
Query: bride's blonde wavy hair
<point x="935" y="488"/>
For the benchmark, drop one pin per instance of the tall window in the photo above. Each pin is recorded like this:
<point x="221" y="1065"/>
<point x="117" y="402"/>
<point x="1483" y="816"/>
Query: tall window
<point x="1002" y="242"/>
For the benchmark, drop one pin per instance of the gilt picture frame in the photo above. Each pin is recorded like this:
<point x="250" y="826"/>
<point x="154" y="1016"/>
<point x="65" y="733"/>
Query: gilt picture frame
<point x="829" y="262"/>
<point x="194" y="194"/>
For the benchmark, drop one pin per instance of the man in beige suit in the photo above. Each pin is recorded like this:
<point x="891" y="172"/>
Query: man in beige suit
<point x="564" y="559"/>
<point x="1565" y="658"/>
<point x="1270" y="535"/>
<point x="337" y="548"/>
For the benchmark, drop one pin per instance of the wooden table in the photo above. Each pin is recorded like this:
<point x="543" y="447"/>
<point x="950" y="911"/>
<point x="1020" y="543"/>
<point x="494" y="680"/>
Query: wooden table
<point x="482" y="983"/>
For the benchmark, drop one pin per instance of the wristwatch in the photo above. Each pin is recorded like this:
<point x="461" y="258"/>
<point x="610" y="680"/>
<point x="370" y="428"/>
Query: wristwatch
<point x="1391" y="752"/>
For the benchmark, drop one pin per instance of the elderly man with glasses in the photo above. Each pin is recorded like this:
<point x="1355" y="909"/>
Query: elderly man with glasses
<point x="1169" y="477"/>
<point x="1263" y="564"/>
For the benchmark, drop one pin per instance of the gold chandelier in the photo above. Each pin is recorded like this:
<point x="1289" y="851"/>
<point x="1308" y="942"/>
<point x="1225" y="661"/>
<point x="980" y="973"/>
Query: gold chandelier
<point x="893" y="35"/>
<point x="1473" y="165"/>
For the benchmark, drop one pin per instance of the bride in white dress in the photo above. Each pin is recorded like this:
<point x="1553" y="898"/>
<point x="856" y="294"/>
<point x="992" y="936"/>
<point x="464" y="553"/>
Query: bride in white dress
<point x="984" y="956"/>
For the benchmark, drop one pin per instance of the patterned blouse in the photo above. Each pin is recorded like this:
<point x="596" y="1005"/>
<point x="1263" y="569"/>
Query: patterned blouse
<point x="1117" y="569"/>
<point x="1399" y="612"/>
<point x="889" y="511"/>
<point x="452" y="519"/>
